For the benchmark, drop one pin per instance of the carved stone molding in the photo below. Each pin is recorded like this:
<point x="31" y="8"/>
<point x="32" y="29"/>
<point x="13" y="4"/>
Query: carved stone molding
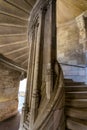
<point x="44" y="96"/>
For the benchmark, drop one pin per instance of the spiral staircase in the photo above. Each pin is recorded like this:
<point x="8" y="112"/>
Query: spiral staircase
<point x="14" y="17"/>
<point x="76" y="105"/>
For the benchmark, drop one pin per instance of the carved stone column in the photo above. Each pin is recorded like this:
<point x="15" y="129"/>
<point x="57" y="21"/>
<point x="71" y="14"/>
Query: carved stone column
<point x="46" y="93"/>
<point x="35" y="92"/>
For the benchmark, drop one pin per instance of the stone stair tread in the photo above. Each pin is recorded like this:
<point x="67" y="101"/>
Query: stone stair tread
<point x="77" y="113"/>
<point x="73" y="83"/>
<point x="77" y="92"/>
<point x="83" y="100"/>
<point x="75" y="124"/>
<point x="76" y="95"/>
<point x="76" y="88"/>
<point x="78" y="103"/>
<point x="81" y="85"/>
<point x="68" y="80"/>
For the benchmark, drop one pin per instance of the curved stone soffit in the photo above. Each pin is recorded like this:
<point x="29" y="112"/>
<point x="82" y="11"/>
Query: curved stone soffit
<point x="14" y="16"/>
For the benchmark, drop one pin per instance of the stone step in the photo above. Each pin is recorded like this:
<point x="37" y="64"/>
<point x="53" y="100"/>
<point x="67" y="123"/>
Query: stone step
<point x="74" y="124"/>
<point x="76" y="88"/>
<point x="68" y="80"/>
<point x="73" y="83"/>
<point x="76" y="113"/>
<point x="76" y="106"/>
<point x="76" y="95"/>
<point x="78" y="103"/>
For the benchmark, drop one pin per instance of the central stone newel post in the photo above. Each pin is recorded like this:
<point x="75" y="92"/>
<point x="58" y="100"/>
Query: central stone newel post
<point x="45" y="92"/>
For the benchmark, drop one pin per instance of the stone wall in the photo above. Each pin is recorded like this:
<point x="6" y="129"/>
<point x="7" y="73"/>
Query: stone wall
<point x="70" y="50"/>
<point x="72" y="41"/>
<point x="9" y="85"/>
<point x="78" y="74"/>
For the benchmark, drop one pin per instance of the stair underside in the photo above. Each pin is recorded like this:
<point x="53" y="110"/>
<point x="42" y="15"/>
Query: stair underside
<point x="76" y="105"/>
<point x="76" y="124"/>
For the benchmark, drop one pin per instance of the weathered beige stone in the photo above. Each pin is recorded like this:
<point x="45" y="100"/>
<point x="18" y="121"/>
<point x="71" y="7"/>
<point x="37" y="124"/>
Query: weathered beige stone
<point x="45" y="92"/>
<point x="69" y="49"/>
<point x="9" y="85"/>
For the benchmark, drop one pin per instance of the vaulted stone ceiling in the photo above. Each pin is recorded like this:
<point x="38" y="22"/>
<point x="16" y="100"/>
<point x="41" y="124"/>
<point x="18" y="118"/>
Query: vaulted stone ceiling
<point x="69" y="9"/>
<point x="14" y="16"/>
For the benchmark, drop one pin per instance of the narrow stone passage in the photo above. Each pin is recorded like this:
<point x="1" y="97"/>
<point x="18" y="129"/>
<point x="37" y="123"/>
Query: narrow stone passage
<point x="11" y="123"/>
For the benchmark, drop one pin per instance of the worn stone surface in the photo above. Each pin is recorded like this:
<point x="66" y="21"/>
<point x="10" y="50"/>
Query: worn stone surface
<point x="68" y="10"/>
<point x="45" y="79"/>
<point x="11" y="123"/>
<point x="69" y="49"/>
<point x="9" y="84"/>
<point x="78" y="74"/>
<point x="72" y="48"/>
<point x="72" y="41"/>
